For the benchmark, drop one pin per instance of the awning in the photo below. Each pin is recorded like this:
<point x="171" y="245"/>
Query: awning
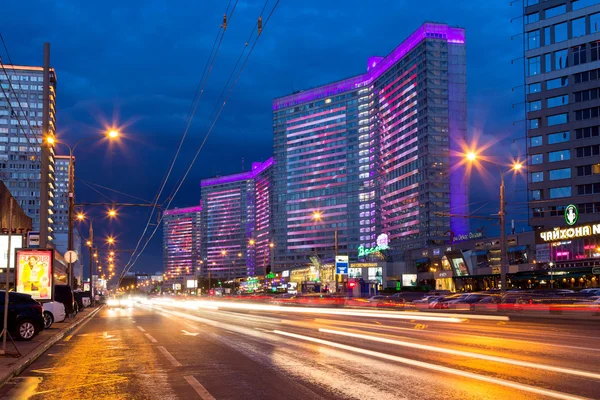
<point x="423" y="260"/>
<point x="480" y="252"/>
<point x="513" y="249"/>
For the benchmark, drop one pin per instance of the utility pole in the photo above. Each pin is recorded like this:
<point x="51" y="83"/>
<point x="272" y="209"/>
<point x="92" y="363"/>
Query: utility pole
<point x="335" y="245"/>
<point x="71" y="216"/>
<point x="46" y="151"/>
<point x="91" y="262"/>
<point x="502" y="236"/>
<point x="6" y="288"/>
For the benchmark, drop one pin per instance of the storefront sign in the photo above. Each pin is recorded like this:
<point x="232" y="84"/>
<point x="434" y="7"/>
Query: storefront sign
<point x="569" y="233"/>
<point x="443" y="274"/>
<point x="34" y="273"/>
<point x="467" y="236"/>
<point x="382" y="244"/>
<point x="571" y="214"/>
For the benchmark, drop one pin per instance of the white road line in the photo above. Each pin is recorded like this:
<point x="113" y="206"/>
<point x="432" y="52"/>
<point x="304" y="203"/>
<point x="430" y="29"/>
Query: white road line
<point x="169" y="357"/>
<point x="201" y="390"/>
<point x="141" y="329"/>
<point x="151" y="338"/>
<point x="437" y="368"/>
<point x="461" y="353"/>
<point x="262" y="330"/>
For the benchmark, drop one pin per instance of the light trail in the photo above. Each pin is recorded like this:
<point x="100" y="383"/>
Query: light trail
<point x="436" y="368"/>
<point x="480" y="356"/>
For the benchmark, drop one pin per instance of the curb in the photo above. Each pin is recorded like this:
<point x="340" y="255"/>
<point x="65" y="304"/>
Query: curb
<point x="35" y="354"/>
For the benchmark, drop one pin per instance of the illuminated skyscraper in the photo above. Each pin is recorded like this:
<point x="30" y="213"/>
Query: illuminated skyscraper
<point x="182" y="235"/>
<point x="370" y="155"/>
<point x="237" y="222"/>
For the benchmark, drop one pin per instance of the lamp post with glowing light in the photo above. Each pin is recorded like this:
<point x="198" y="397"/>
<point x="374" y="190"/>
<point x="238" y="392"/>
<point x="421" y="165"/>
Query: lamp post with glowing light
<point x="51" y="141"/>
<point x="517" y="166"/>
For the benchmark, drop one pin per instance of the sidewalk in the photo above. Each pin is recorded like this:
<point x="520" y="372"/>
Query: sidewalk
<point x="31" y="350"/>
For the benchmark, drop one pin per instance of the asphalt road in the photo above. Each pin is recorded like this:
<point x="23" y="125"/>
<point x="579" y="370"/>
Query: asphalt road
<point x="179" y="351"/>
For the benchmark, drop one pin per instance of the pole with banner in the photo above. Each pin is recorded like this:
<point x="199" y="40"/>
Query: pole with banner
<point x="6" y="288"/>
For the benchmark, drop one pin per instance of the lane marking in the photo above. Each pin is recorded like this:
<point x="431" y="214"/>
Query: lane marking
<point x="168" y="356"/>
<point x="262" y="330"/>
<point x="141" y="329"/>
<point x="436" y="368"/>
<point x="462" y="353"/>
<point x="151" y="338"/>
<point x="68" y="338"/>
<point x="201" y="390"/>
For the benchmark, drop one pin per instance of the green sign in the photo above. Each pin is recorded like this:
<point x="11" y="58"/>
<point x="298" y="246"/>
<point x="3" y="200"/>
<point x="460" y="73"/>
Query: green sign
<point x="270" y="275"/>
<point x="571" y="214"/>
<point x="382" y="244"/>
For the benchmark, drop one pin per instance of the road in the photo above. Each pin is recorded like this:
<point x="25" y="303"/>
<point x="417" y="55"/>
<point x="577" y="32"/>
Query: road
<point x="184" y="351"/>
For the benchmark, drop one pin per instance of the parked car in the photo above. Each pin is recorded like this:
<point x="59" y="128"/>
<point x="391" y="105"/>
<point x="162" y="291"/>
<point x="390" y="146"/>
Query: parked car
<point x="54" y="311"/>
<point x="64" y="294"/>
<point x="81" y="299"/>
<point x="25" y="315"/>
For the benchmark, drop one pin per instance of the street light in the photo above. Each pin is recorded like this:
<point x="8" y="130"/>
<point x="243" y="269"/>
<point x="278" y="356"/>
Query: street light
<point x="110" y="240"/>
<point x="251" y="242"/>
<point x="112" y="213"/>
<point x="223" y="252"/>
<point x="515" y="167"/>
<point x="317" y="215"/>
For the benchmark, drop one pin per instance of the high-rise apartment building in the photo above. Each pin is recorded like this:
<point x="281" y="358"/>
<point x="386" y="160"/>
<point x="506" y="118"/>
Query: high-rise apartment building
<point x="182" y="237"/>
<point x="562" y="82"/>
<point x="21" y="135"/>
<point x="61" y="193"/>
<point x="237" y="222"/>
<point x="367" y="158"/>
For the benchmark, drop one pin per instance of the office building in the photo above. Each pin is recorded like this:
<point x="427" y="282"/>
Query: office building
<point x="562" y="83"/>
<point x="61" y="196"/>
<point x="21" y="136"/>
<point x="182" y="237"/>
<point x="367" y="158"/>
<point x="237" y="223"/>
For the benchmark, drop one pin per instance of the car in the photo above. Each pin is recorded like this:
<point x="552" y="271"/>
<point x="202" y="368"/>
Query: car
<point x="377" y="298"/>
<point x="64" y="294"/>
<point x="82" y="299"/>
<point x="54" y="311"/>
<point x="114" y="302"/>
<point x="25" y="315"/>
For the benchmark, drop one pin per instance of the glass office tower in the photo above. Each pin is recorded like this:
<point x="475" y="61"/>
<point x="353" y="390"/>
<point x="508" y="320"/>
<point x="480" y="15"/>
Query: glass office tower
<point x="370" y="155"/>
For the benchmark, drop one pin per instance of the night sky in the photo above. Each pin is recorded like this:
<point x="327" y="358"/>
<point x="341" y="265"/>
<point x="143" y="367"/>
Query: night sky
<point x="136" y="64"/>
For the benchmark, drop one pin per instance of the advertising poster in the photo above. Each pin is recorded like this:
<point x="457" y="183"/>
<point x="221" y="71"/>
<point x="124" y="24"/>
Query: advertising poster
<point x="409" y="279"/>
<point x="86" y="286"/>
<point x="34" y="273"/>
<point x="460" y="267"/>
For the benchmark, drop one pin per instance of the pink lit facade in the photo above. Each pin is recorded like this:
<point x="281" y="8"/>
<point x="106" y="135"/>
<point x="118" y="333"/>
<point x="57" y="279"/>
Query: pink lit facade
<point x="371" y="154"/>
<point x="237" y="223"/>
<point x="182" y="242"/>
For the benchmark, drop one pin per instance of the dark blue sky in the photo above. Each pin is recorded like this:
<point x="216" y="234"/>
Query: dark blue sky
<point x="137" y="63"/>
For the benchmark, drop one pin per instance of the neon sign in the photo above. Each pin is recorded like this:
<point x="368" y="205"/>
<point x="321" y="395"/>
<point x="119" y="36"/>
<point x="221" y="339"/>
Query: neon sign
<point x="570" y="233"/>
<point x="382" y="244"/>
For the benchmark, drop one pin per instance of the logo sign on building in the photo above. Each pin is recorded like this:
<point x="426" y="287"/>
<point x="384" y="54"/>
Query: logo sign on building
<point x="383" y="243"/>
<point x="33" y="240"/>
<point x="34" y="273"/>
<point x="436" y="252"/>
<point x="16" y="242"/>
<point x="571" y="214"/>
<point x="558" y="234"/>
<point x="271" y="275"/>
<point x="341" y="265"/>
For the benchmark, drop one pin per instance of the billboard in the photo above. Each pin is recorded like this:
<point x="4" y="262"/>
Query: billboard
<point x="86" y="286"/>
<point x="459" y="265"/>
<point x="34" y="273"/>
<point x="192" y="284"/>
<point x="409" y="279"/>
<point x="16" y="242"/>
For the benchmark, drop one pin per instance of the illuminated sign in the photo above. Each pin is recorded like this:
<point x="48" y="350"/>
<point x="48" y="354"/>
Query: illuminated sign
<point x="467" y="236"/>
<point x="270" y="275"/>
<point x="409" y="279"/>
<point x="571" y="214"/>
<point x="34" y="273"/>
<point x="86" y="286"/>
<point x="286" y="273"/>
<point x="341" y="265"/>
<point x="382" y="244"/>
<point x="16" y="242"/>
<point x="191" y="284"/>
<point x="570" y="233"/>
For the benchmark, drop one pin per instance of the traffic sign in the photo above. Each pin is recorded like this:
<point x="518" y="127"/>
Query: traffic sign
<point x="33" y="240"/>
<point x="71" y="257"/>
<point x="341" y="265"/>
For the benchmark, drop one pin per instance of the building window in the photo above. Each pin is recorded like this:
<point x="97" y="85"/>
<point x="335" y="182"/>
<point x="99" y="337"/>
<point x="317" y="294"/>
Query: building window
<point x="536" y="195"/>
<point x="531" y="2"/>
<point x="561" y="155"/>
<point x="586" y="95"/>
<point x="531" y="18"/>
<point x="590" y="188"/>
<point x="558" y="119"/>
<point x="534" y="88"/>
<point x="533" y="66"/>
<point x="563" y="173"/>
<point x="578" y="27"/>
<point x="588" y="151"/>
<point x="560" y="32"/>
<point x="548" y="62"/>
<point x="579" y="55"/>
<point x="594" y="23"/>
<point x="537" y="159"/>
<point x="534" y="105"/>
<point x="594" y="51"/>
<point x="557" y="83"/>
<point x="558" y="101"/>
<point x="560" y="192"/>
<point x="547" y="36"/>
<point x="535" y="141"/>
<point x="559" y="137"/>
<point x="584" y="133"/>
<point x="585" y="76"/>
<point x="579" y="4"/>
<point x="587" y="113"/>
<point x="533" y="40"/>
<point x="533" y="123"/>
<point x="554" y="11"/>
<point x="560" y="59"/>
<point x="537" y="177"/>
<point x="586" y="170"/>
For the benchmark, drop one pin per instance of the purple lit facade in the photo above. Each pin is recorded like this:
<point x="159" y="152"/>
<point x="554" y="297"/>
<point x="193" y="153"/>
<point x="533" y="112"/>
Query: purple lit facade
<point x="182" y="240"/>
<point x="237" y="223"/>
<point x="371" y="154"/>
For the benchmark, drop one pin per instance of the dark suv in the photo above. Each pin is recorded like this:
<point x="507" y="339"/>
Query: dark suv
<point x="64" y="294"/>
<point x="25" y="315"/>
